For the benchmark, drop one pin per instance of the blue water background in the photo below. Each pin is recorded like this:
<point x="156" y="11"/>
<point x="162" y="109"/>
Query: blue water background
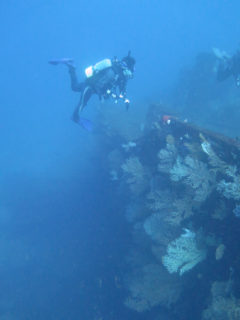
<point x="61" y="241"/>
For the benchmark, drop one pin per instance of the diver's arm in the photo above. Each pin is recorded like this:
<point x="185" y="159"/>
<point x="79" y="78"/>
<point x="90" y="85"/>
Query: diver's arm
<point x="122" y="86"/>
<point x="123" y="93"/>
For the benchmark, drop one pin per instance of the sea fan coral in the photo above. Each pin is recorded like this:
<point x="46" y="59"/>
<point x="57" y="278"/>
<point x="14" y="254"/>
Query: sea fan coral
<point x="230" y="189"/>
<point x="172" y="209"/>
<point x="194" y="174"/>
<point x="166" y="158"/>
<point x="183" y="254"/>
<point x="152" y="226"/>
<point x="159" y="200"/>
<point x="224" y="305"/>
<point x="181" y="210"/>
<point x="236" y="211"/>
<point x="150" y="286"/>
<point x="136" y="175"/>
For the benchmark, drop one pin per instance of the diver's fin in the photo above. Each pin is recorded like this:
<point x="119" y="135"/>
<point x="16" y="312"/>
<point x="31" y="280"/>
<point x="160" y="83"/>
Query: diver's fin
<point x="85" y="124"/>
<point x="67" y="61"/>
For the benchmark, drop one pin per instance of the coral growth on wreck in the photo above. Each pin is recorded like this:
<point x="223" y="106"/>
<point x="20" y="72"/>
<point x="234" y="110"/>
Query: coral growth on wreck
<point x="183" y="254"/>
<point x="181" y="187"/>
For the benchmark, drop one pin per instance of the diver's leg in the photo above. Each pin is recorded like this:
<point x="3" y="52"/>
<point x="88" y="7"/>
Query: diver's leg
<point x="75" y="85"/>
<point x="85" y="96"/>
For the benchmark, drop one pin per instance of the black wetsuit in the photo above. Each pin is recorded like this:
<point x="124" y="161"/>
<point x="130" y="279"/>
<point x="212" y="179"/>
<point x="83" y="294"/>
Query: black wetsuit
<point x="111" y="78"/>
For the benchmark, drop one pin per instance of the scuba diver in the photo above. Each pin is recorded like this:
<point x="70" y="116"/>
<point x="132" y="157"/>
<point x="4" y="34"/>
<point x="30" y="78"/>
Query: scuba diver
<point x="107" y="78"/>
<point x="228" y="65"/>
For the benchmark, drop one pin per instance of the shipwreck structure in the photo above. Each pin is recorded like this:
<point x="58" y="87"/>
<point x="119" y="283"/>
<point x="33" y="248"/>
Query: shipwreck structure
<point x="180" y="186"/>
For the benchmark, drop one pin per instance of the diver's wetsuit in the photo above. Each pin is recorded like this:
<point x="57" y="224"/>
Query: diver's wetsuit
<point x="108" y="79"/>
<point x="120" y="79"/>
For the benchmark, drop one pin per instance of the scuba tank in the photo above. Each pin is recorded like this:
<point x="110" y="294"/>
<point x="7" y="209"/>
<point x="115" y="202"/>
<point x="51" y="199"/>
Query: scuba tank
<point x="99" y="66"/>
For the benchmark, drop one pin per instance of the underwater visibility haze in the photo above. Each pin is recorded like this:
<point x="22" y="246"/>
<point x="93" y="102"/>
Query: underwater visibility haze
<point x="137" y="218"/>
